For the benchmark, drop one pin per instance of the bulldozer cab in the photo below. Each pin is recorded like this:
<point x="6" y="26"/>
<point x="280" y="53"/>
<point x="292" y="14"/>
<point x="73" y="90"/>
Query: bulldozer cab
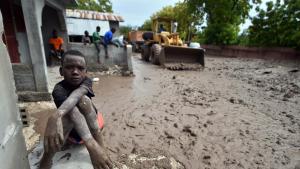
<point x="163" y="28"/>
<point x="160" y="23"/>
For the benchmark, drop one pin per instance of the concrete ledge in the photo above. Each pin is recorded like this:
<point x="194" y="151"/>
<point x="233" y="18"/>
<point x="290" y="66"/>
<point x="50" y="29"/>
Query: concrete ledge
<point x="95" y="67"/>
<point x="30" y="96"/>
<point x="120" y="56"/>
<point x="252" y="52"/>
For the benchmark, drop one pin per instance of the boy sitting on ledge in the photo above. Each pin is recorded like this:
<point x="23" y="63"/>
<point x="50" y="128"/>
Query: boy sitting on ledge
<point x="75" y="110"/>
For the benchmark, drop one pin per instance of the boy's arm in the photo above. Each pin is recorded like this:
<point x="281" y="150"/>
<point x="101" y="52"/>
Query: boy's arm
<point x="71" y="101"/>
<point x="54" y="130"/>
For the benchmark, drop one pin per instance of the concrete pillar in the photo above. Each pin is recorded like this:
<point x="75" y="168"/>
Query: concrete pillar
<point x="129" y="58"/>
<point x="32" y="10"/>
<point x="13" y="153"/>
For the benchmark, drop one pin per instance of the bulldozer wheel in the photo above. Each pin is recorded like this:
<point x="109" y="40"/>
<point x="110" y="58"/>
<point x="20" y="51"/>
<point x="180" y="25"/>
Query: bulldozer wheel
<point x="155" y="52"/>
<point x="145" y="52"/>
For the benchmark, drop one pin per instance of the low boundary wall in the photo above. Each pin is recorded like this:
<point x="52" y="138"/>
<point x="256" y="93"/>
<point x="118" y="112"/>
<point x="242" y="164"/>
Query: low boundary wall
<point x="252" y="52"/>
<point x="117" y="55"/>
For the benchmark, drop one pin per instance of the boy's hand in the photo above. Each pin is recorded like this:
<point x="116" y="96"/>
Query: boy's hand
<point x="53" y="134"/>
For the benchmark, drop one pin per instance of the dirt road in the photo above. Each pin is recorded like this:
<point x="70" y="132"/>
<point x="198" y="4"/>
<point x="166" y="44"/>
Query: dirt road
<point x="236" y="113"/>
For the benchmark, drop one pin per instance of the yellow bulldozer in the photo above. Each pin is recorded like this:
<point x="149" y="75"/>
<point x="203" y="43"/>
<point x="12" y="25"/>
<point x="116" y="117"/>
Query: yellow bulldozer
<point x="163" y="46"/>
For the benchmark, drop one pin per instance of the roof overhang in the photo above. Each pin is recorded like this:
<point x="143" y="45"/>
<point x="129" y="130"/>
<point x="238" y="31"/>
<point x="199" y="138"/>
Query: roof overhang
<point x="70" y="2"/>
<point x="93" y="15"/>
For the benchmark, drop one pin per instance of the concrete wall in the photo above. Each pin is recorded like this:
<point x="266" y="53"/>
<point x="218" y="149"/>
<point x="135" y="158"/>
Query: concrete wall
<point x="12" y="145"/>
<point x="23" y="76"/>
<point x="32" y="11"/>
<point x="118" y="56"/>
<point x="23" y="48"/>
<point x="252" y="52"/>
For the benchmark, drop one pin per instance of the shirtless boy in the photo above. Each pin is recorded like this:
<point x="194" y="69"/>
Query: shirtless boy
<point x="75" y="110"/>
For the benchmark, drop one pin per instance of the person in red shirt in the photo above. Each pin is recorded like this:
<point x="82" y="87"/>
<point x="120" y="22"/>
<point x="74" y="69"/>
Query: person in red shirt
<point x="56" y="43"/>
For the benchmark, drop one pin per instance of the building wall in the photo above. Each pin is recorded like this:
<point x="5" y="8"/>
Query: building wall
<point x="21" y="36"/>
<point x="23" y="48"/>
<point x="23" y="76"/>
<point x="77" y="26"/>
<point x="6" y="8"/>
<point x="115" y="24"/>
<point x="12" y="152"/>
<point x="32" y="11"/>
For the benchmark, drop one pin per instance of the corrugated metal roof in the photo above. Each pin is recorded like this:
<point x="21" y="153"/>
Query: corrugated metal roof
<point x="84" y="14"/>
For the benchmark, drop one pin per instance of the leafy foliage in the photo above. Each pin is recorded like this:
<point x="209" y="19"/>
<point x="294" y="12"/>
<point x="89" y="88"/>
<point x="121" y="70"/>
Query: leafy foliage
<point x="124" y="30"/>
<point x="146" y="26"/>
<point x="93" y="5"/>
<point x="278" y="25"/>
<point x="223" y="18"/>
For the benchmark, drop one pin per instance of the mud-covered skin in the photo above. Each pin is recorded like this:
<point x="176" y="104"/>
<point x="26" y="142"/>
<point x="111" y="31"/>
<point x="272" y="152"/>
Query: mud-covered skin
<point x="78" y="109"/>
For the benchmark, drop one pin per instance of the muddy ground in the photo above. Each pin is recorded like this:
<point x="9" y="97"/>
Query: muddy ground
<point x="236" y="113"/>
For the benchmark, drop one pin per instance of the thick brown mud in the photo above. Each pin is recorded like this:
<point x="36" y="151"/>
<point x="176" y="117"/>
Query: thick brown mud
<point x="236" y="113"/>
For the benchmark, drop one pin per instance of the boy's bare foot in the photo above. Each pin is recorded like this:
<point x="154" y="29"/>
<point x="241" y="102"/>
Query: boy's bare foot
<point x="98" y="156"/>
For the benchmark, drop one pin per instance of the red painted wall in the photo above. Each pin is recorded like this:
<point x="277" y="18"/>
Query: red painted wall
<point x="10" y="40"/>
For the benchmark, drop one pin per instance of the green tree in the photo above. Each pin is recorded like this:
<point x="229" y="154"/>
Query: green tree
<point x="223" y="18"/>
<point x="93" y="5"/>
<point x="146" y="25"/>
<point x="277" y="25"/>
<point x="187" y="20"/>
<point x="164" y="12"/>
<point x="124" y="30"/>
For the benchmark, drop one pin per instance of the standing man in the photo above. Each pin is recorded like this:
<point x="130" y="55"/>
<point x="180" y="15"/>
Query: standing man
<point x="97" y="40"/>
<point x="107" y="40"/>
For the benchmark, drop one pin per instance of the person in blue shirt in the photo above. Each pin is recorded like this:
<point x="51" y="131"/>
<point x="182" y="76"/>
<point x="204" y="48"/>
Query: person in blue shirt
<point x="107" y="40"/>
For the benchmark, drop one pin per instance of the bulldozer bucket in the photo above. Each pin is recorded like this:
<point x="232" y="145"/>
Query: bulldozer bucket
<point x="184" y="56"/>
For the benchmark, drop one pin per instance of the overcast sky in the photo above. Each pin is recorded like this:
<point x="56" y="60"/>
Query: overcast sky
<point x="135" y="12"/>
